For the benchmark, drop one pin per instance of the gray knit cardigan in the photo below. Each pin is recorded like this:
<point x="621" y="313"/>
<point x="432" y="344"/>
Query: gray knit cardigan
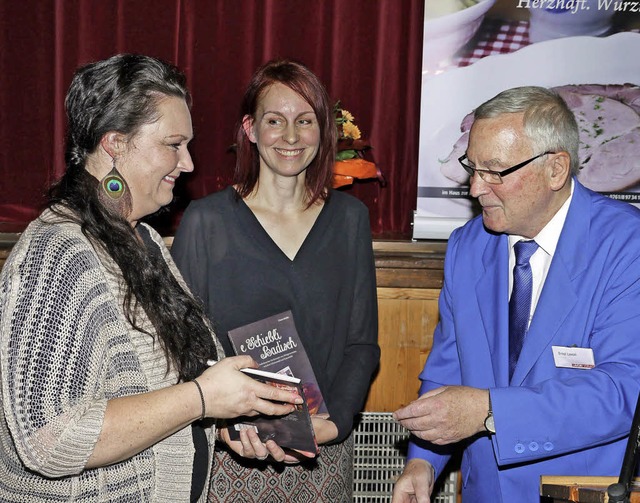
<point x="66" y="348"/>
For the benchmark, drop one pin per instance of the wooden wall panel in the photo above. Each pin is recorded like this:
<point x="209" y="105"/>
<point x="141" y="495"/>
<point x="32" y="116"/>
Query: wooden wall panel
<point x="407" y="318"/>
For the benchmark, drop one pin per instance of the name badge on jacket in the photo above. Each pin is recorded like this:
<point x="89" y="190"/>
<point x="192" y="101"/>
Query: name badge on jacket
<point x="573" y="357"/>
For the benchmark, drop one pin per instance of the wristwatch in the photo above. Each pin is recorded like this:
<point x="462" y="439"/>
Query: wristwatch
<point x="489" y="424"/>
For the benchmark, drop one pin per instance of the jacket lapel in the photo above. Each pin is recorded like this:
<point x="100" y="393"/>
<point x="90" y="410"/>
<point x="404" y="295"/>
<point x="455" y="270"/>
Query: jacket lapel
<point x="492" y="294"/>
<point x="559" y="294"/>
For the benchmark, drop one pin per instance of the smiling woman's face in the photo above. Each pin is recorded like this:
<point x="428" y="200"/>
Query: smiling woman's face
<point x="285" y="130"/>
<point x="156" y="156"/>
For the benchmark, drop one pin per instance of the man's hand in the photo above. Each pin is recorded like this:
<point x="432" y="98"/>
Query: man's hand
<point x="446" y="415"/>
<point x="415" y="484"/>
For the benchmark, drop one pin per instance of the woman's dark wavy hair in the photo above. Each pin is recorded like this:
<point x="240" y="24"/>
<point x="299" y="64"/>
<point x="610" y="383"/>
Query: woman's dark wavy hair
<point x="122" y="94"/>
<point x="303" y="81"/>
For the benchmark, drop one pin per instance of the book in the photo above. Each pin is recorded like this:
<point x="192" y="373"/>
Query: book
<point x="293" y="431"/>
<point x="274" y="343"/>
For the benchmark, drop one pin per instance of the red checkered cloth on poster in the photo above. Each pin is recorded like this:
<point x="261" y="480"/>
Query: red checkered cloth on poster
<point x="495" y="36"/>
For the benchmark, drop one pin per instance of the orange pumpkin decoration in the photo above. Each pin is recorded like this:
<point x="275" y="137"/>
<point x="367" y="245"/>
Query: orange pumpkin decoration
<point x="344" y="172"/>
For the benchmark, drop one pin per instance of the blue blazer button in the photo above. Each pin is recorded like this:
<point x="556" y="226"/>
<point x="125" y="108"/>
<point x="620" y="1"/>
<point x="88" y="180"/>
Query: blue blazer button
<point x="519" y="448"/>
<point x="548" y="446"/>
<point x="533" y="446"/>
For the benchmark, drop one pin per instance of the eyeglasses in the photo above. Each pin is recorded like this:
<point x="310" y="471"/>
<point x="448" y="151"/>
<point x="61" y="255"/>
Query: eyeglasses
<point x="495" y="177"/>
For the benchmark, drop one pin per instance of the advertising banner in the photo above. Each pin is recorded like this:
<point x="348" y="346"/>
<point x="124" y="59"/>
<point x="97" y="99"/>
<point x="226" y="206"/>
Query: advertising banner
<point x="587" y="50"/>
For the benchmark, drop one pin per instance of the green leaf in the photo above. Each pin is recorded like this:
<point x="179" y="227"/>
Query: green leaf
<point x="346" y="154"/>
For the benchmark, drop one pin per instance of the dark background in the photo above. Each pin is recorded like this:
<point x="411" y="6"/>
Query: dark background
<point x="367" y="53"/>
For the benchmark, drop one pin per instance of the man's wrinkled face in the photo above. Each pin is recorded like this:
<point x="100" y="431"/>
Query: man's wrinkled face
<point x="521" y="204"/>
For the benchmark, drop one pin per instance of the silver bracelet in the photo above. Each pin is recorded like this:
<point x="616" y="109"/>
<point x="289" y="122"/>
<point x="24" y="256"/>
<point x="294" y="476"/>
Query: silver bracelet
<point x="201" y="398"/>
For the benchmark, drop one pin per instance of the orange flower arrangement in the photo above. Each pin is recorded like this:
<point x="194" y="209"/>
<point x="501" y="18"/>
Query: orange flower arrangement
<point x="350" y="163"/>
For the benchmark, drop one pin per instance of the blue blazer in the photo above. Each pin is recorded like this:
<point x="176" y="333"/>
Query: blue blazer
<point x="549" y="421"/>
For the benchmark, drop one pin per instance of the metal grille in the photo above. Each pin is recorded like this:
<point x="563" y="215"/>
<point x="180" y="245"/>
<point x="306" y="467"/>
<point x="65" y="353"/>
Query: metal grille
<point x="380" y="450"/>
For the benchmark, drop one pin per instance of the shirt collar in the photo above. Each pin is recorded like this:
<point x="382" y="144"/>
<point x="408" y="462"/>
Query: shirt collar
<point x="548" y="237"/>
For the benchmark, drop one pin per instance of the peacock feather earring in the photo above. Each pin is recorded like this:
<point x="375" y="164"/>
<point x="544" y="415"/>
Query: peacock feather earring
<point x="114" y="192"/>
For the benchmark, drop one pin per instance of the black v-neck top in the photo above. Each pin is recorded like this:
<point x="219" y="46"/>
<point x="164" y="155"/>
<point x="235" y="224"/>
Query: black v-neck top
<point x="237" y="270"/>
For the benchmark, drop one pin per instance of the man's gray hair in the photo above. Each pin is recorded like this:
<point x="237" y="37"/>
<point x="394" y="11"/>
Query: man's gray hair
<point x="548" y="121"/>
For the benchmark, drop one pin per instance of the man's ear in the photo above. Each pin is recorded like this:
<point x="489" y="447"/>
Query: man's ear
<point x="113" y="143"/>
<point x="560" y="169"/>
<point x="247" y="125"/>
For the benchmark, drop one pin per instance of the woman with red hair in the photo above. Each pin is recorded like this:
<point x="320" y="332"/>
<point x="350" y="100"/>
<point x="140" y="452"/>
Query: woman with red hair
<point x="282" y="239"/>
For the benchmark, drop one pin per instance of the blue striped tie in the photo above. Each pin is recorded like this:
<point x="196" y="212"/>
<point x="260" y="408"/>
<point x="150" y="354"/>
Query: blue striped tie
<point x="520" y="302"/>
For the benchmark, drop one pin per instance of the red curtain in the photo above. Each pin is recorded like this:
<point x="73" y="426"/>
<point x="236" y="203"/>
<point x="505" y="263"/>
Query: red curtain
<point x="367" y="53"/>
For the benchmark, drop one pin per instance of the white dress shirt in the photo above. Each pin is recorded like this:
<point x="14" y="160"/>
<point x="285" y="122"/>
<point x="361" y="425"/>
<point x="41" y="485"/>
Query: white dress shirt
<point x="540" y="261"/>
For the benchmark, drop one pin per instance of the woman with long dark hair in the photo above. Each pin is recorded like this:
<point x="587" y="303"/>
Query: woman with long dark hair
<point x="107" y="381"/>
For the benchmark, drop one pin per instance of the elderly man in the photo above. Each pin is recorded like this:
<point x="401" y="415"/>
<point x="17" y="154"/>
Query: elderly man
<point x="535" y="367"/>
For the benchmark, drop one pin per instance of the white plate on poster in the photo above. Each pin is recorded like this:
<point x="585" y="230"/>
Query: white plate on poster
<point x="447" y="98"/>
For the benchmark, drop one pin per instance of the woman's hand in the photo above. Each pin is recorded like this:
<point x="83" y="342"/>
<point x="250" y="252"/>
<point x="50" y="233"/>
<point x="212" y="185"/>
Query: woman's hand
<point x="325" y="429"/>
<point x="250" y="446"/>
<point x="133" y="423"/>
<point x="228" y="393"/>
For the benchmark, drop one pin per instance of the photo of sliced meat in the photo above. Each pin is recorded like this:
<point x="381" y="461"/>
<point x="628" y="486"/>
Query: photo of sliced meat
<point x="450" y="166"/>
<point x="629" y="94"/>
<point x="608" y="118"/>
<point x="614" y="166"/>
<point x="609" y="122"/>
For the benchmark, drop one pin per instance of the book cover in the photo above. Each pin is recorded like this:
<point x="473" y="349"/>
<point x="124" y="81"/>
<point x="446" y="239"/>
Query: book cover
<point x="274" y="343"/>
<point x="294" y="431"/>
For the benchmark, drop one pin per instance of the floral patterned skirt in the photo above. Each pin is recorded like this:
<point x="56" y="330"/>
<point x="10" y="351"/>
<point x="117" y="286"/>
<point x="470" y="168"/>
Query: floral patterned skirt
<point x="327" y="478"/>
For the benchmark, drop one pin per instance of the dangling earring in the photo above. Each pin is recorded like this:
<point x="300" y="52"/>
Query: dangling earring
<point x="114" y="192"/>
